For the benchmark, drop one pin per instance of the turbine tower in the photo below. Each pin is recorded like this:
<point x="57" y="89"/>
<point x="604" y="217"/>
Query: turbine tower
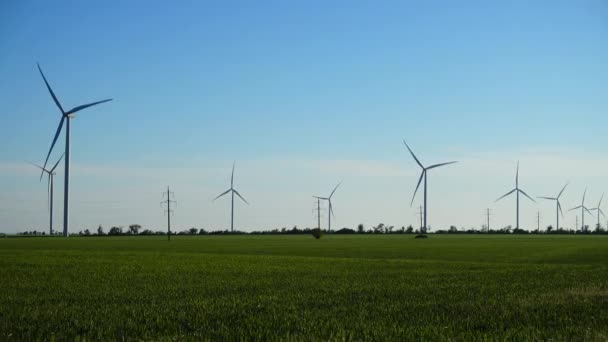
<point x="233" y="191"/>
<point x="599" y="211"/>
<point x="517" y="190"/>
<point x="423" y="175"/>
<point x="558" y="210"/>
<point x="65" y="117"/>
<point x="583" y="209"/>
<point x="331" y="210"/>
<point x="51" y="176"/>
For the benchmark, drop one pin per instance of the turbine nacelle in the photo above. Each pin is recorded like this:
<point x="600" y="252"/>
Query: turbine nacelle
<point x="559" y="206"/>
<point x="328" y="199"/>
<point x="64" y="115"/>
<point x="424" y="169"/>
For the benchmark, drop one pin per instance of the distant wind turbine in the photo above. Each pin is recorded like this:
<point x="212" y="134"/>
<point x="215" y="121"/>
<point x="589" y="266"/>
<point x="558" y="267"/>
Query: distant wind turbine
<point x="583" y="209"/>
<point x="233" y="191"/>
<point x="599" y="210"/>
<point x="331" y="210"/>
<point x="423" y="175"/>
<point x="51" y="176"/>
<point x="65" y="117"/>
<point x="517" y="190"/>
<point x="559" y="206"/>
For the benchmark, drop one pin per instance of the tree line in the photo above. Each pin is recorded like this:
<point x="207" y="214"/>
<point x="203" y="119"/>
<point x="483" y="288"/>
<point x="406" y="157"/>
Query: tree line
<point x="381" y="228"/>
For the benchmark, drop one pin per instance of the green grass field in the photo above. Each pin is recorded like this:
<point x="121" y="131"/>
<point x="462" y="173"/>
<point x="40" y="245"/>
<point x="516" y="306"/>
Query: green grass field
<point x="369" y="287"/>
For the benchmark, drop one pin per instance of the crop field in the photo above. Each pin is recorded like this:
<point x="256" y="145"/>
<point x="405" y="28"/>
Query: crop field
<point x="361" y="287"/>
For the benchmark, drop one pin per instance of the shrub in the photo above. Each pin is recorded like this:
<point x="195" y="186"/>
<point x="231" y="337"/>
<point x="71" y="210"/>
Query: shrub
<point x="317" y="233"/>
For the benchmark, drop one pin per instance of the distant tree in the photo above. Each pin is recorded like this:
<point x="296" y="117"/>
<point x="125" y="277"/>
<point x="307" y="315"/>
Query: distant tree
<point x="388" y="229"/>
<point x="193" y="231"/>
<point x="87" y="232"/>
<point x="134" y="229"/>
<point x="453" y="229"/>
<point x="115" y="231"/>
<point x="409" y="229"/>
<point x="100" y="230"/>
<point x="549" y="229"/>
<point x="598" y="229"/>
<point x="202" y="232"/>
<point x="344" y="231"/>
<point x="379" y="229"/>
<point x="360" y="228"/>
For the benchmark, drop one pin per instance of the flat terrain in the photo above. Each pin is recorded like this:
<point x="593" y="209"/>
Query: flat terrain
<point x="295" y="287"/>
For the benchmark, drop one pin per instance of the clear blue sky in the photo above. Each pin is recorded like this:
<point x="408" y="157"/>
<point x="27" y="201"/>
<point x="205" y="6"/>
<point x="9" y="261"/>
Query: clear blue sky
<point x="302" y="94"/>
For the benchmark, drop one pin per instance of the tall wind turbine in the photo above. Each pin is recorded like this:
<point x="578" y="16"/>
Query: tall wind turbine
<point x="51" y="176"/>
<point x="517" y="190"/>
<point x="65" y="117"/>
<point x="558" y="210"/>
<point x="233" y="191"/>
<point x="423" y="175"/>
<point x="331" y="210"/>
<point x="583" y="209"/>
<point x="599" y="210"/>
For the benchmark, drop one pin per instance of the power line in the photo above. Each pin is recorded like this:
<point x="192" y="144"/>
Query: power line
<point x="168" y="202"/>
<point x="487" y="220"/>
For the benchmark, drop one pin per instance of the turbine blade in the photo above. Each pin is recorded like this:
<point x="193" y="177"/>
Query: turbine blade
<point x="57" y="163"/>
<point x="416" y="159"/>
<point x="54" y="140"/>
<point x="79" y="108"/>
<point x="564" y="188"/>
<point x="442" y="164"/>
<point x="505" y="195"/>
<point x="50" y="90"/>
<point x="36" y="165"/>
<point x="600" y="203"/>
<point x="417" y="186"/>
<point x="232" y="176"/>
<point x="222" y="194"/>
<point x="237" y="193"/>
<point x="523" y="192"/>
<point x="336" y="188"/>
<point x="601" y="212"/>
<point x="548" y="198"/>
<point x="331" y="209"/>
<point x="559" y="206"/>
<point x="575" y="208"/>
<point x="587" y="210"/>
<point x="584" y="193"/>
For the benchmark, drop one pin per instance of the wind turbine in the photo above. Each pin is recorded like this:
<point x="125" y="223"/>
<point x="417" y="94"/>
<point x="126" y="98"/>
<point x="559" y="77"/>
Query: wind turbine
<point x="517" y="190"/>
<point x="51" y="176"/>
<point x="559" y="206"/>
<point x="233" y="191"/>
<point x="331" y="210"/>
<point x="599" y="210"/>
<point x="583" y="209"/>
<point x="65" y="117"/>
<point x="423" y="175"/>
